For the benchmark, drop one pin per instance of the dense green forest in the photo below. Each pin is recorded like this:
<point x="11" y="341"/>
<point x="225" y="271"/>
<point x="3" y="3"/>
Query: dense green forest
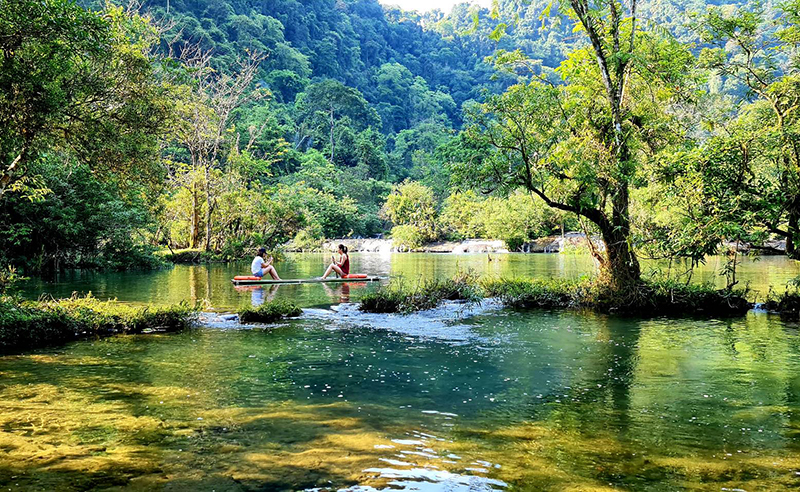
<point x="664" y="127"/>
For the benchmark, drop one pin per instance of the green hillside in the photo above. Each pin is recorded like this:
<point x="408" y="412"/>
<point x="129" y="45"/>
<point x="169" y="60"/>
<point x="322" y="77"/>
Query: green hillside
<point x="224" y="125"/>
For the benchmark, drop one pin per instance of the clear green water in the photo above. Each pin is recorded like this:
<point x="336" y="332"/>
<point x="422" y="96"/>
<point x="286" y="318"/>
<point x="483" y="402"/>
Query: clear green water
<point x="213" y="282"/>
<point x="453" y="399"/>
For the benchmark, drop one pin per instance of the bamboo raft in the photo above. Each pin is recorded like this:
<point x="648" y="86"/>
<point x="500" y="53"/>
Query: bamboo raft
<point x="261" y="281"/>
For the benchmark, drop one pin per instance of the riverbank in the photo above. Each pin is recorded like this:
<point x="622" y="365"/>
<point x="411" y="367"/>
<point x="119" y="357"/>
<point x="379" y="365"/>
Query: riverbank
<point x="31" y="324"/>
<point x="572" y="242"/>
<point x="569" y="243"/>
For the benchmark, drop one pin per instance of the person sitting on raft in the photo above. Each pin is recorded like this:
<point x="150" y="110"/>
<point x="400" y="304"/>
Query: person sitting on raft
<point x="259" y="267"/>
<point x="341" y="267"/>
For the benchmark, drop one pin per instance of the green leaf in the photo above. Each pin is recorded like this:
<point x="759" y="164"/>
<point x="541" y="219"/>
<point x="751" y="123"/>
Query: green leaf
<point x="498" y="32"/>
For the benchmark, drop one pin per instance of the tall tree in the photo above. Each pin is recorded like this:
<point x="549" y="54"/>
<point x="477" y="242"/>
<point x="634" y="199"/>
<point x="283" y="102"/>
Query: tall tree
<point x="78" y="81"/>
<point x="328" y="104"/>
<point x="207" y="109"/>
<point x="578" y="145"/>
<point x="754" y="159"/>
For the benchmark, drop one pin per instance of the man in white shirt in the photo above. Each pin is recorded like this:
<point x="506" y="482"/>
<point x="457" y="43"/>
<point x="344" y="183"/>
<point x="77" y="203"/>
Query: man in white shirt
<point x="259" y="267"/>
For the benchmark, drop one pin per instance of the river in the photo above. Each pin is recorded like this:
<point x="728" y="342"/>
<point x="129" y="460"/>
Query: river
<point x="455" y="399"/>
<point x="212" y="282"/>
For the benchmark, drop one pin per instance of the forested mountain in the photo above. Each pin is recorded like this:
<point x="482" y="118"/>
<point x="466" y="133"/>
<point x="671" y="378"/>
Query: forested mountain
<point x="349" y="41"/>
<point x="290" y="120"/>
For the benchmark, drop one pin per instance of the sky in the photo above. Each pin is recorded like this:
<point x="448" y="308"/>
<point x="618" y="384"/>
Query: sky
<point x="425" y="5"/>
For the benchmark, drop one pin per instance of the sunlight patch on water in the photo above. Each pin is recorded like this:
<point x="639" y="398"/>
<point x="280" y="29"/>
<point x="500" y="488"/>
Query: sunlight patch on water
<point x="441" y="323"/>
<point x="418" y="479"/>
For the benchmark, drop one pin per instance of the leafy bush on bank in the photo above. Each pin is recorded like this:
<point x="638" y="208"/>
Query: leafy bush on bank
<point x="269" y="312"/>
<point x="786" y="304"/>
<point x="191" y="256"/>
<point x="25" y="324"/>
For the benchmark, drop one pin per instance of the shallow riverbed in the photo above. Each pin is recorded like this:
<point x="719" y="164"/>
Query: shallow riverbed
<point x="457" y="399"/>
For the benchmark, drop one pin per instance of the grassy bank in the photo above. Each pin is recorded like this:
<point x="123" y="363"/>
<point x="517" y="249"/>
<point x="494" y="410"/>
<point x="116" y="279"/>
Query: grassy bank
<point x="270" y="312"/>
<point x="27" y="324"/>
<point x="399" y="297"/>
<point x="649" y="298"/>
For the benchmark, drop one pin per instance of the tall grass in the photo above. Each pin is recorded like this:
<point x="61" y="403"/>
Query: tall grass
<point x="269" y="312"/>
<point x="536" y="293"/>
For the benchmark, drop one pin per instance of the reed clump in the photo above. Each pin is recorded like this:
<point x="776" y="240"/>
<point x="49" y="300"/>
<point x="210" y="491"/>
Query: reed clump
<point x="270" y="312"/>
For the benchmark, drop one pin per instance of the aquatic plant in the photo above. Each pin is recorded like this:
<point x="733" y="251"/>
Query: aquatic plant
<point x="270" y="312"/>
<point x="657" y="297"/>
<point x="400" y="297"/>
<point x="34" y="324"/>
<point x="388" y="299"/>
<point x="649" y="297"/>
<point x="536" y="293"/>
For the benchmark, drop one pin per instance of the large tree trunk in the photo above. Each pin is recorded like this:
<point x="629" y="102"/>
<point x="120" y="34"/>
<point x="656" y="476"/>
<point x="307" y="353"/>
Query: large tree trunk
<point x="208" y="211"/>
<point x="194" y="223"/>
<point x="792" y="236"/>
<point x="621" y="268"/>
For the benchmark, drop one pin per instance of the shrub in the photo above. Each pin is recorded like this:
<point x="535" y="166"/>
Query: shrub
<point x="515" y="219"/>
<point x="407" y="237"/>
<point x="190" y="256"/>
<point x="196" y="256"/>
<point x="9" y="278"/>
<point x="269" y="312"/>
<point x="308" y="239"/>
<point x="412" y="208"/>
<point x="786" y="304"/>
